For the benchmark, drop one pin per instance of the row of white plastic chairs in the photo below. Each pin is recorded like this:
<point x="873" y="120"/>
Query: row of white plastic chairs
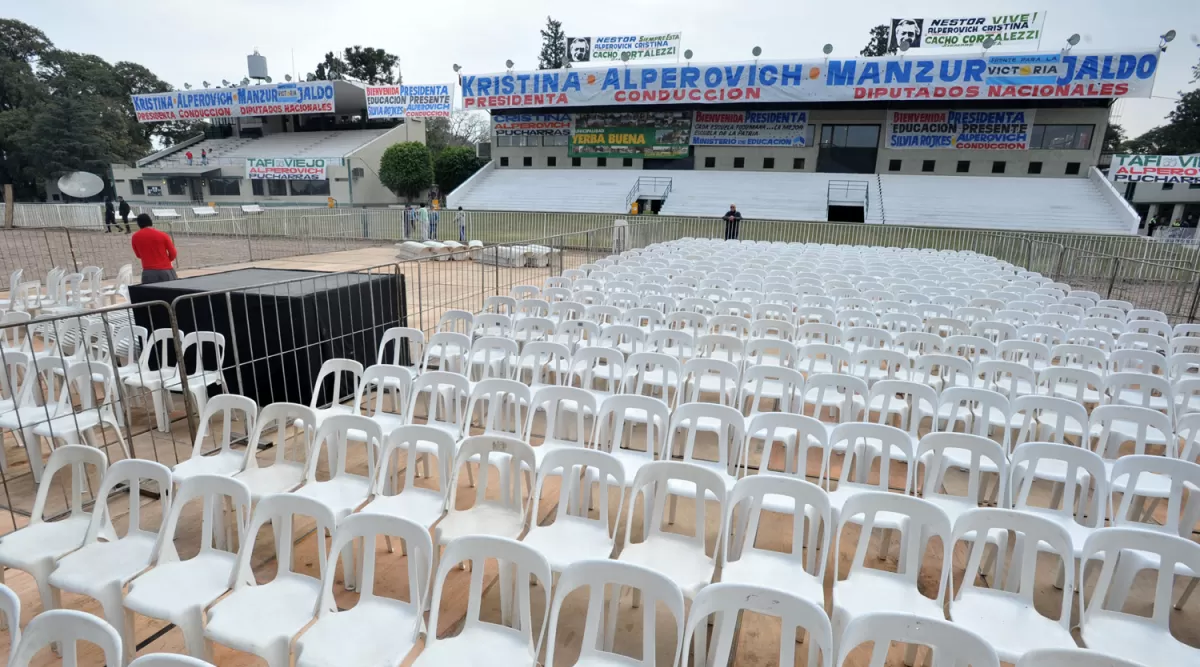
<point x="65" y="291"/>
<point x="556" y="546"/>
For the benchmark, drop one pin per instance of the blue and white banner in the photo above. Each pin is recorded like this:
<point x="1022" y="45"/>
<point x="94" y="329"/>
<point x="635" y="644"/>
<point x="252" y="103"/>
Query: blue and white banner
<point x="750" y="128"/>
<point x="611" y="48"/>
<point x="269" y="100"/>
<point x="529" y="124"/>
<point x="967" y="30"/>
<point x="990" y="130"/>
<point x="967" y="77"/>
<point x="420" y="101"/>
<point x="1155" y="169"/>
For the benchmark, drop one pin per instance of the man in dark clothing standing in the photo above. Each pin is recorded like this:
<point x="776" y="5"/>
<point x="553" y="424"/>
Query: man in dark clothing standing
<point x="110" y="215"/>
<point x="156" y="250"/>
<point x="732" y="219"/>
<point x="123" y="211"/>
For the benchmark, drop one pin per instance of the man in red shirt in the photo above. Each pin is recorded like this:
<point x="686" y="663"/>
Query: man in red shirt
<point x="156" y="251"/>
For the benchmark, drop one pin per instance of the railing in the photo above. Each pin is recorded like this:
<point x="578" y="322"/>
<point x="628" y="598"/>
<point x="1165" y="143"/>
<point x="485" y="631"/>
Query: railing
<point x="657" y="187"/>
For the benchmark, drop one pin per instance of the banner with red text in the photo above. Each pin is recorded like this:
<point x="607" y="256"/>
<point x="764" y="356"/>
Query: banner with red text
<point x="990" y="130"/>
<point x="750" y="128"/>
<point x="270" y="100"/>
<point x="286" y="169"/>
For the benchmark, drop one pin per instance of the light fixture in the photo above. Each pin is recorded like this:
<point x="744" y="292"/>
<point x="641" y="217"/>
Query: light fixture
<point x="828" y="49"/>
<point x="988" y="42"/>
<point x="245" y="81"/>
<point x="687" y="54"/>
<point x="906" y="44"/>
<point x="625" y="56"/>
<point x="206" y="84"/>
<point x="1164" y="39"/>
<point x="757" y="51"/>
<point x="268" y="79"/>
<point x="225" y="83"/>
<point x="187" y="86"/>
<point x="508" y="64"/>
<point x="1071" y="42"/>
<point x="287" y="77"/>
<point x="457" y="67"/>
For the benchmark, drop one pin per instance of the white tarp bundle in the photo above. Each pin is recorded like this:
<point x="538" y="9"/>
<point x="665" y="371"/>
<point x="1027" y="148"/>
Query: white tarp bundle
<point x="412" y="250"/>
<point x="438" y="250"/>
<point x="511" y="256"/>
<point x="475" y="250"/>
<point x="458" y="251"/>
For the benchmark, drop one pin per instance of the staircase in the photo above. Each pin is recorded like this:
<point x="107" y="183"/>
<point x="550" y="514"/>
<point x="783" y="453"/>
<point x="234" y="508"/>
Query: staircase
<point x="649" y="187"/>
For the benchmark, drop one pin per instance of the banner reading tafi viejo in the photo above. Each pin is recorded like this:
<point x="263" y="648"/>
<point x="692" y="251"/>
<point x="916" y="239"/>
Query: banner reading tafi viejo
<point x="1155" y="169"/>
<point x="635" y="134"/>
<point x="612" y="47"/>
<point x="750" y="128"/>
<point x="967" y="30"/>
<point x="991" y="130"/>
<point x="418" y="101"/>
<point x="978" y="76"/>
<point x="286" y="169"/>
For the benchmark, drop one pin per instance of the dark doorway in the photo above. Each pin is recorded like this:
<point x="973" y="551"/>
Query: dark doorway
<point x="846" y="214"/>
<point x="848" y="149"/>
<point x="195" y="190"/>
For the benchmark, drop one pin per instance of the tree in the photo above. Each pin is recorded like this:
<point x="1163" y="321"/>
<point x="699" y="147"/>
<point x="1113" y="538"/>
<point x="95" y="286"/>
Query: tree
<point x="462" y="128"/>
<point x="364" y="65"/>
<point x="1179" y="136"/>
<point x="554" y="46"/>
<point x="879" y="44"/>
<point x="453" y="166"/>
<point x="406" y="169"/>
<point x="1114" y="136"/>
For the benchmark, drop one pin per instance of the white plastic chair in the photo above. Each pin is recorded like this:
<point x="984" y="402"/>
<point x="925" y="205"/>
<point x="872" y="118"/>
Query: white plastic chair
<point x="344" y="491"/>
<point x="178" y="591"/>
<point x="1004" y="614"/>
<point x="101" y="570"/>
<point x="1080" y="499"/>
<point x="384" y="380"/>
<point x="421" y="505"/>
<point x="515" y="640"/>
<point x="682" y="557"/>
<point x="226" y="460"/>
<point x="377" y="630"/>
<point x="1072" y="657"/>
<point x="10" y="618"/>
<point x="36" y="547"/>
<point x="573" y="535"/>
<point x="727" y="600"/>
<point x="1132" y="637"/>
<point x="498" y="406"/>
<point x="64" y="628"/>
<point x="615" y="433"/>
<point x="977" y="455"/>
<point x="866" y="590"/>
<point x="264" y="618"/>
<point x="799" y="570"/>
<point x="952" y="646"/>
<point x="503" y="516"/>
<point x="169" y="660"/>
<point x="862" y="442"/>
<point x="599" y="628"/>
<point x="284" y="473"/>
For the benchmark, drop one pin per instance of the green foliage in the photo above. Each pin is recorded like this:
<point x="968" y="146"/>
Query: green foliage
<point x="1179" y="136"/>
<point x="63" y="111"/>
<point x="364" y="65"/>
<point x="406" y="169"/>
<point x="1114" y="136"/>
<point x="554" y="46"/>
<point x="453" y="166"/>
<point x="878" y="46"/>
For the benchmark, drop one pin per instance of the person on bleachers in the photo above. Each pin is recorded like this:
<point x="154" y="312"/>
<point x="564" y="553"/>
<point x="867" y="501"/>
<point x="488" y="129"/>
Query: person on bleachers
<point x="188" y="155"/>
<point x="123" y="211"/>
<point x="732" y="219"/>
<point x="203" y="156"/>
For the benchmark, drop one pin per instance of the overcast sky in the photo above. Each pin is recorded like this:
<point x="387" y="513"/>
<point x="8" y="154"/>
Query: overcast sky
<point x="209" y="40"/>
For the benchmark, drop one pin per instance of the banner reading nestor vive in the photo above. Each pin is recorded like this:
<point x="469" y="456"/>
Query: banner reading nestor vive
<point x="968" y="77"/>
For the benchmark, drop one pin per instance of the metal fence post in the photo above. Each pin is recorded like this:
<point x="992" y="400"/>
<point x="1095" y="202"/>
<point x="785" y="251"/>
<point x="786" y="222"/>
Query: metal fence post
<point x="1112" y="279"/>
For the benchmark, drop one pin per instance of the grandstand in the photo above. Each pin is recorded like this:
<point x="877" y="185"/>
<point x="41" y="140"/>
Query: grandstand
<point x="338" y="143"/>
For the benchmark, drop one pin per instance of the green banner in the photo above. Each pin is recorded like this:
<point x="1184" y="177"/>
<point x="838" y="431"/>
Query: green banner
<point x="625" y="134"/>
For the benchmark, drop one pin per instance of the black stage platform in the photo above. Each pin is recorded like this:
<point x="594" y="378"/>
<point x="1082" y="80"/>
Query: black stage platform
<point x="277" y="334"/>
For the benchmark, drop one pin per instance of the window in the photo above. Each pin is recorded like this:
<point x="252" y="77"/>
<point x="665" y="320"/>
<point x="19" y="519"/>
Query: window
<point x="256" y="186"/>
<point x="576" y="162"/>
<point x="894" y="165"/>
<point x="555" y="140"/>
<point x="1061" y="137"/>
<point x="505" y="141"/>
<point x="177" y="186"/>
<point x="551" y="161"/>
<point x="1072" y="168"/>
<point x="850" y="136"/>
<point x="527" y="161"/>
<point x="739" y="163"/>
<point x="225" y="186"/>
<point x="928" y="165"/>
<point x="55" y="198"/>
<point x="1035" y="167"/>
<point x="627" y="162"/>
<point x="710" y="163"/>
<point x="1193" y="186"/>
<point x="530" y="140"/>
<point x="309" y="188"/>
<point x="797" y="163"/>
<point x="964" y="167"/>
<point x="601" y="162"/>
<point x="1168" y="186"/>
<point x="277" y="188"/>
<point x="137" y="186"/>
<point x="504" y="162"/>
<point x="998" y="167"/>
<point x="768" y="163"/>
